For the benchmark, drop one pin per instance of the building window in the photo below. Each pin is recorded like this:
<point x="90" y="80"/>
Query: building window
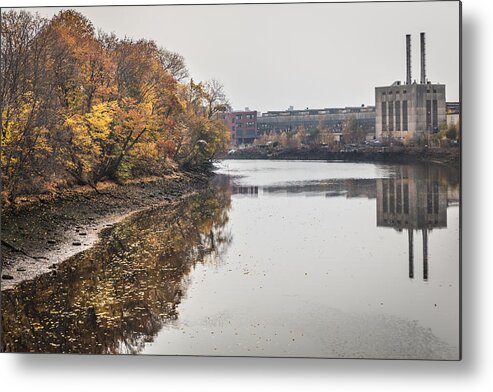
<point x="428" y="115"/>
<point x="391" y="116"/>
<point x="404" y="116"/>
<point x="238" y="116"/>
<point x="435" y="114"/>
<point x="397" y="115"/>
<point x="384" y="116"/>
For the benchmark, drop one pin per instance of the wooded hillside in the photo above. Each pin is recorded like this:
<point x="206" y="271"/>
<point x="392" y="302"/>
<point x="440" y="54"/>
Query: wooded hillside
<point x="80" y="106"/>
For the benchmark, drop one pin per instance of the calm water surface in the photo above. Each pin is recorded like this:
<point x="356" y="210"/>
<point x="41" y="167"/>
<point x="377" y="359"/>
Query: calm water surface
<point x="278" y="258"/>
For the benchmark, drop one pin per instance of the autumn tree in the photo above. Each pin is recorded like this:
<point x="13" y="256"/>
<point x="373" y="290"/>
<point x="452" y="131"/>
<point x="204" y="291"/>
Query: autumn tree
<point x="298" y="137"/>
<point x="80" y="106"/>
<point x="352" y="131"/>
<point x="174" y="63"/>
<point x="283" y="139"/>
<point x="23" y="87"/>
<point x="207" y="134"/>
<point x="451" y="132"/>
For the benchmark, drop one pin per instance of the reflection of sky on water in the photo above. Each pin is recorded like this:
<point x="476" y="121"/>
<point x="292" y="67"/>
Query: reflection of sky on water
<point x="267" y="173"/>
<point x="310" y="258"/>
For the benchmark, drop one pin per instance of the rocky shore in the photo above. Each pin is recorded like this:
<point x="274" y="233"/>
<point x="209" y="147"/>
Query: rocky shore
<point x="40" y="232"/>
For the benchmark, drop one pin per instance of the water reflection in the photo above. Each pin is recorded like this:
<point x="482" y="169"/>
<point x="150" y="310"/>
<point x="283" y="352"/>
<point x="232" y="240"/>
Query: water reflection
<point x="245" y="190"/>
<point x="350" y="188"/>
<point x="416" y="200"/>
<point x="288" y="277"/>
<point x="311" y="273"/>
<point x="413" y="198"/>
<point x="116" y="296"/>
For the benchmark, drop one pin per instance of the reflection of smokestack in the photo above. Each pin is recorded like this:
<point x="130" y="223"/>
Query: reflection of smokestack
<point x="411" y="253"/>
<point x="425" y="254"/>
<point x="408" y="59"/>
<point x="423" y="59"/>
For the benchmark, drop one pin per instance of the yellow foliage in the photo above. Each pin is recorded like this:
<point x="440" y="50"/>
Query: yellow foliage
<point x="88" y="107"/>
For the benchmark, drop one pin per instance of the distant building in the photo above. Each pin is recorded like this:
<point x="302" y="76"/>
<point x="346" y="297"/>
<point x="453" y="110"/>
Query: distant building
<point x="412" y="109"/>
<point x="453" y="114"/>
<point x="242" y="125"/>
<point x="331" y="118"/>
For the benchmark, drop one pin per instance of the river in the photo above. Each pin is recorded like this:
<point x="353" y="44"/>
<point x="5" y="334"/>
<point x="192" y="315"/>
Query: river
<point x="277" y="258"/>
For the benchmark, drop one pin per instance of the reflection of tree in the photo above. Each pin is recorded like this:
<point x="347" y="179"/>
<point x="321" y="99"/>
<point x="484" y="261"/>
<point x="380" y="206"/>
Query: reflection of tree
<point x="118" y="295"/>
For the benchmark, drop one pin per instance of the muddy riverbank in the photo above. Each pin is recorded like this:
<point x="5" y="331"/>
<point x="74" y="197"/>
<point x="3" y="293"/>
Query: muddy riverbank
<point x="39" y="233"/>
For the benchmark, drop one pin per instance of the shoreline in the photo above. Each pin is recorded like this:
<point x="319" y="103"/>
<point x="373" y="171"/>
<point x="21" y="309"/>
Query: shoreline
<point x="398" y="155"/>
<point x="41" y="232"/>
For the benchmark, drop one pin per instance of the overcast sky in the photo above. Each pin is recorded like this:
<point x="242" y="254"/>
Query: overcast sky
<point x="271" y="56"/>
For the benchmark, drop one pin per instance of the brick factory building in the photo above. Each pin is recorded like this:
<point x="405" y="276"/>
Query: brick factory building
<point x="242" y="125"/>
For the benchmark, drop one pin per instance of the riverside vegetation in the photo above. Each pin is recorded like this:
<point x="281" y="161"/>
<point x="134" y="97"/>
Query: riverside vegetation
<point x="81" y="106"/>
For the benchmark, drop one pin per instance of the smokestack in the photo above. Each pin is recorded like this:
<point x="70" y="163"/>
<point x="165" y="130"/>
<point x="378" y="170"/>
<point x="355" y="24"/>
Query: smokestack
<point x="423" y="59"/>
<point x="408" y="58"/>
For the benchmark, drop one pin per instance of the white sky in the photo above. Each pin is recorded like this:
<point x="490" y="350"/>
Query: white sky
<point x="271" y="56"/>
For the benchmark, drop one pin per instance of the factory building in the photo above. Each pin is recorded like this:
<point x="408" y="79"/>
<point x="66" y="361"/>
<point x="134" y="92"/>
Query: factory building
<point x="453" y="114"/>
<point x="331" y="118"/>
<point x="410" y="110"/>
<point x="242" y="126"/>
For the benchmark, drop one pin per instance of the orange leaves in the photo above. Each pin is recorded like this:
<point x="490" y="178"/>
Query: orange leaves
<point x="84" y="106"/>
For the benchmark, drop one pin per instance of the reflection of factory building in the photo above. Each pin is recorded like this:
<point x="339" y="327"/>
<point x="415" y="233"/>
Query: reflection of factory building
<point x="349" y="188"/>
<point x="251" y="191"/>
<point x="227" y="184"/>
<point x="331" y="118"/>
<point x="405" y="203"/>
<point x="411" y="109"/>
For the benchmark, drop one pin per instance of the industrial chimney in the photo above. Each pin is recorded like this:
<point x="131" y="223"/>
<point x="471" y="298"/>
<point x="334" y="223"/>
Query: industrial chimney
<point x="408" y="58"/>
<point x="423" y="59"/>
